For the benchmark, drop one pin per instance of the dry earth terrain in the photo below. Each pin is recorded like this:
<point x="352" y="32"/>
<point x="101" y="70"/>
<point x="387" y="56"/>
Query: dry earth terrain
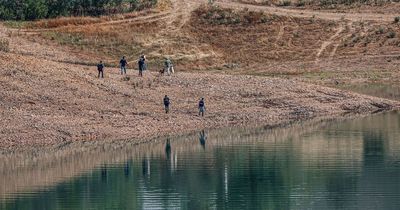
<point x="231" y="37"/>
<point x="51" y="96"/>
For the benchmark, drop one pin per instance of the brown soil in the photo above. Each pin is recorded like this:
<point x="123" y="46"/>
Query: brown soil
<point x="51" y="94"/>
<point x="361" y="6"/>
<point x="285" y="41"/>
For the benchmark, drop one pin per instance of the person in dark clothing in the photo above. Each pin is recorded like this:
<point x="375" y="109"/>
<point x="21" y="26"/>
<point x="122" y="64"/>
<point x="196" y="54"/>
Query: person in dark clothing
<point x="100" y="69"/>
<point x="166" y="104"/>
<point x="142" y="65"/>
<point x="202" y="107"/>
<point x="123" y="64"/>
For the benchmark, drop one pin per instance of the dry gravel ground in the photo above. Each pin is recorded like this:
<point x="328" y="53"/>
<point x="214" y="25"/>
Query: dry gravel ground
<point x="45" y="102"/>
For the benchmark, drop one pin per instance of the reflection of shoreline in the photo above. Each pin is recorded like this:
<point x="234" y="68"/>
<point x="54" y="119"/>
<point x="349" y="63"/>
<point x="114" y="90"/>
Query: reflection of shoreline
<point x="39" y="169"/>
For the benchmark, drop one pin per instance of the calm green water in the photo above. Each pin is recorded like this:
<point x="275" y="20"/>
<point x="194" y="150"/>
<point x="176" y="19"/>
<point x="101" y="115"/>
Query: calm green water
<point x="348" y="164"/>
<point x="382" y="90"/>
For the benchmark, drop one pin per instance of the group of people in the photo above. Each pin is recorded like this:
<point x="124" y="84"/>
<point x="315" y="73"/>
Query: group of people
<point x="168" y="69"/>
<point x="201" y="105"/>
<point x="142" y="66"/>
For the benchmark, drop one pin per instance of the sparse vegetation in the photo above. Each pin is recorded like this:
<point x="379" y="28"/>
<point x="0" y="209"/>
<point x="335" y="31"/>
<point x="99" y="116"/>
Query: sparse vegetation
<point x="64" y="38"/>
<point x="397" y="19"/>
<point x="285" y="3"/>
<point x="351" y="2"/>
<point x="391" y="35"/>
<point x="381" y="30"/>
<point x="300" y="3"/>
<point x="4" y="45"/>
<point x="16" y="24"/>
<point x="327" y="4"/>
<point x="219" y="16"/>
<point x="64" y="21"/>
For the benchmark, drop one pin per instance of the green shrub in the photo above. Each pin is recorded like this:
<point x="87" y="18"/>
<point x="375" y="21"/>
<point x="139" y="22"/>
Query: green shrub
<point x="397" y="19"/>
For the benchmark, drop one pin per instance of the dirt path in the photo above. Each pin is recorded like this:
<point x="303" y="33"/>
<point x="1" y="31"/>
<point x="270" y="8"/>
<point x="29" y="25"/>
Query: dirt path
<point x="345" y="21"/>
<point x="310" y="14"/>
<point x="328" y="42"/>
<point x="280" y="33"/>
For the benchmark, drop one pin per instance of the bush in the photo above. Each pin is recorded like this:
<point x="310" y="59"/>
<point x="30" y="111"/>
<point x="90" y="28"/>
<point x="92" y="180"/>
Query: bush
<point x="4" y="45"/>
<point x="391" y="35"/>
<point x="397" y="19"/>
<point x="35" y="9"/>
<point x="300" y="3"/>
<point x="285" y="3"/>
<point x="381" y="30"/>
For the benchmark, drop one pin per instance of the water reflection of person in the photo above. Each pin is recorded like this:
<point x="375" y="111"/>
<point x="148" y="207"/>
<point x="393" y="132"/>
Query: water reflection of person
<point x="144" y="167"/>
<point x="203" y="138"/>
<point x="103" y="170"/>
<point x="168" y="149"/>
<point x="126" y="169"/>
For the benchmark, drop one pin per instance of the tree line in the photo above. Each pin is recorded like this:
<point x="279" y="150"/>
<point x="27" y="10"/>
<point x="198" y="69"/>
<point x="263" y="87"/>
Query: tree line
<point x="39" y="9"/>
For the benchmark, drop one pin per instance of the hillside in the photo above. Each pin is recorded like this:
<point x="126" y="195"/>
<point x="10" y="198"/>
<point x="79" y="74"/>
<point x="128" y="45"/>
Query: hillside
<point x="51" y="95"/>
<point x="317" y="46"/>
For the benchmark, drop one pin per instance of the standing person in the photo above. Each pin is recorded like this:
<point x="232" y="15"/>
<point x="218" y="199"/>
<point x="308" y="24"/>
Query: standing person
<point x="166" y="104"/>
<point x="168" y="66"/>
<point x="100" y="69"/>
<point x="142" y="65"/>
<point x="123" y="64"/>
<point x="202" y="107"/>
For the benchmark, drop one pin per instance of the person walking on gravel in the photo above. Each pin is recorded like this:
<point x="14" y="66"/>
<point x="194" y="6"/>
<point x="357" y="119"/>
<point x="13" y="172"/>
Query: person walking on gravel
<point x="142" y="65"/>
<point x="166" y="104"/>
<point x="100" y="69"/>
<point x="202" y="107"/>
<point x="168" y="66"/>
<point x="123" y="64"/>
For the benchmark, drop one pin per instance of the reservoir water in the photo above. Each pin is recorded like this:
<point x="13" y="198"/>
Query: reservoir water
<point x="319" y="164"/>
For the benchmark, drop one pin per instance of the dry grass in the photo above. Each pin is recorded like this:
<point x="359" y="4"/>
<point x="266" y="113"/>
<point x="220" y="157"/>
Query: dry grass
<point x="163" y="5"/>
<point x="85" y="20"/>
<point x="106" y="40"/>
<point x="233" y="41"/>
<point x="259" y="37"/>
<point x="371" y="39"/>
<point x="317" y="2"/>
<point x="215" y="15"/>
<point x="65" y="21"/>
<point x="370" y="6"/>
